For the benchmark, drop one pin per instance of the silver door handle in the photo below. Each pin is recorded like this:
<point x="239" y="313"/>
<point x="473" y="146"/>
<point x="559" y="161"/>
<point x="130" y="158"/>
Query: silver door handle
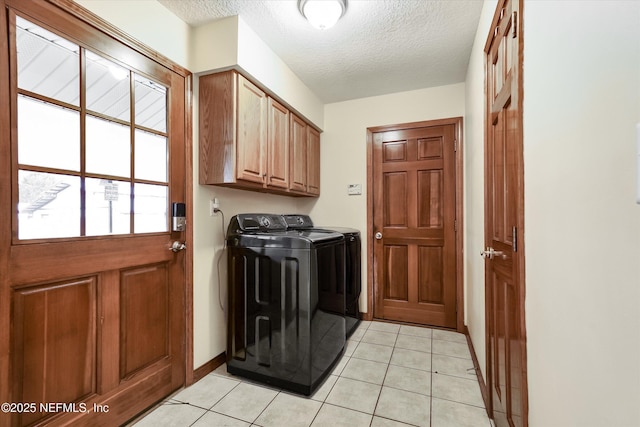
<point x="491" y="253"/>
<point x="378" y="235"/>
<point x="178" y="246"/>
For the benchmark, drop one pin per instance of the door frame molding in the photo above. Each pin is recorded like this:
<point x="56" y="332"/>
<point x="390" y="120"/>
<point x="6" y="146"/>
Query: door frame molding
<point x="458" y="132"/>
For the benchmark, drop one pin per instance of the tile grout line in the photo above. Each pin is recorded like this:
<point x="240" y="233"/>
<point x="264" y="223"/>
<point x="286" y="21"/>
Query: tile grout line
<point x="431" y="384"/>
<point x="265" y="408"/>
<point x="323" y="402"/>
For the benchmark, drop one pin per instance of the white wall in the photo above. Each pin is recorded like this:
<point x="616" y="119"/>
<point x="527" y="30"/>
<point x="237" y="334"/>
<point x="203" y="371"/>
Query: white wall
<point x="343" y="150"/>
<point x="474" y="188"/>
<point x="149" y="22"/>
<point x="261" y="63"/>
<point x="582" y="226"/>
<point x="231" y="43"/>
<point x="215" y="45"/>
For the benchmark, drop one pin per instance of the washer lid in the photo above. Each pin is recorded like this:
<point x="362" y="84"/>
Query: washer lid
<point x="292" y="239"/>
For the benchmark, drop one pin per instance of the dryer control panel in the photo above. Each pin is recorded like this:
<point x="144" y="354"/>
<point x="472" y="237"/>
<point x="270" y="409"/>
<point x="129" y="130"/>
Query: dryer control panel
<point x="258" y="222"/>
<point x="298" y="222"/>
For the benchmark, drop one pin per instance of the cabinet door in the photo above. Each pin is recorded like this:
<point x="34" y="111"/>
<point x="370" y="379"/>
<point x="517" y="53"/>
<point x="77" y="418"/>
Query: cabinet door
<point x="252" y="132"/>
<point x="278" y="146"/>
<point x="313" y="161"/>
<point x="298" y="157"/>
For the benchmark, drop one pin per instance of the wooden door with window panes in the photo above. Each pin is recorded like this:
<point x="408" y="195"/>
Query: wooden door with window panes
<point x="96" y="295"/>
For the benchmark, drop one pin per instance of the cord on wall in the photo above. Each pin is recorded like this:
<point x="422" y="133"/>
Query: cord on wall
<point x="224" y="247"/>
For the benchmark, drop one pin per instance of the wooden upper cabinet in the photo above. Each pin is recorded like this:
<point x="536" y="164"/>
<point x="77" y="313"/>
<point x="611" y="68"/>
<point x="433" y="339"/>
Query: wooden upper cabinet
<point x="251" y="141"/>
<point x="313" y="161"/>
<point x="252" y="132"/>
<point x="298" y="154"/>
<point x="278" y="146"/>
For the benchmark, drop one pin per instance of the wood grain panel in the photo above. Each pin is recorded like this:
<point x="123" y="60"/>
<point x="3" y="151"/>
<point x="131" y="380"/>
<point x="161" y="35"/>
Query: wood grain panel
<point x="429" y="148"/>
<point x="6" y="215"/>
<point x="396" y="277"/>
<point x="430" y="199"/>
<point x="298" y="156"/>
<point x="252" y="131"/>
<point x="415" y="165"/>
<point x="394" y="151"/>
<point x="55" y="343"/>
<point x="278" y="145"/>
<point x="499" y="177"/>
<point x="35" y="263"/>
<point x="499" y="325"/>
<point x="395" y="205"/>
<point x="504" y="215"/>
<point x="430" y="275"/>
<point x="144" y="317"/>
<point x="217" y="134"/>
<point x="313" y="161"/>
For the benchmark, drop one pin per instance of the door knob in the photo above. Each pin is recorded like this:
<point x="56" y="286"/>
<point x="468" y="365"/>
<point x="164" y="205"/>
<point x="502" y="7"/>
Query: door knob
<point x="178" y="246"/>
<point x="491" y="253"/>
<point x="378" y="235"/>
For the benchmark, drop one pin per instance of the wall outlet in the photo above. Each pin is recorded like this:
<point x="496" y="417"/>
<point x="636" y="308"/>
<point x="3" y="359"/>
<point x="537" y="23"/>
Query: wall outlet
<point x="214" y="206"/>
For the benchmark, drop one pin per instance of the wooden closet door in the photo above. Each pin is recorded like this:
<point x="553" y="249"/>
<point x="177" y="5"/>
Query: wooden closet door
<point x="504" y="219"/>
<point x="414" y="225"/>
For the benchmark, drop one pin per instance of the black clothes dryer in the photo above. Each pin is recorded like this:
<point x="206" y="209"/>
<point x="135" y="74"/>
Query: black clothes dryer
<point x="283" y="329"/>
<point x="353" y="280"/>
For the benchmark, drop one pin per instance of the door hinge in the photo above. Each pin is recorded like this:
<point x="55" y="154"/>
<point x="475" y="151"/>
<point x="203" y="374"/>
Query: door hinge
<point x="514" y="23"/>
<point x="515" y="239"/>
<point x="455" y="145"/>
<point x="455" y="225"/>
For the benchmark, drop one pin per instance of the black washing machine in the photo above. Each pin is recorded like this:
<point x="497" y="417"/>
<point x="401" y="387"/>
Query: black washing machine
<point x="353" y="281"/>
<point x="284" y="328"/>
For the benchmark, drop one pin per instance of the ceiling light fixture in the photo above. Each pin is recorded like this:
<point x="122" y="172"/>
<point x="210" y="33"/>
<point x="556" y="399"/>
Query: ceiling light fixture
<point x="322" y="14"/>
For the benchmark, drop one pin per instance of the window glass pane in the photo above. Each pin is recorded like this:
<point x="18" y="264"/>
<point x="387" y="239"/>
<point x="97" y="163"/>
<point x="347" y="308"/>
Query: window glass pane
<point x="107" y="87"/>
<point x="47" y="63"/>
<point x="151" y="156"/>
<point x="48" y="135"/>
<point x="150" y="208"/>
<point x="108" y="207"/>
<point x="151" y="104"/>
<point x="49" y="205"/>
<point x="108" y="147"/>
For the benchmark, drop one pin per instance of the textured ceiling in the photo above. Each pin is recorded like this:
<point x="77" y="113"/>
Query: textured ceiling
<point x="378" y="47"/>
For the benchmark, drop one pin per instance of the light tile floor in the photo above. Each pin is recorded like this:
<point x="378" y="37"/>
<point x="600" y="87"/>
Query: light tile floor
<point x="390" y="376"/>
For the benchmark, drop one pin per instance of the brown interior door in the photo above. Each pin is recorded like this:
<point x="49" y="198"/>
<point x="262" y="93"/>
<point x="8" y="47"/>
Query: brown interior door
<point x="96" y="296"/>
<point x="414" y="225"/>
<point x="504" y="276"/>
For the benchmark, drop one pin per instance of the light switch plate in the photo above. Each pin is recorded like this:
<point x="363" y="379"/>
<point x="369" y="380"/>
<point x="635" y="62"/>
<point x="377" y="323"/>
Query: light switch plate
<point x="354" y="189"/>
